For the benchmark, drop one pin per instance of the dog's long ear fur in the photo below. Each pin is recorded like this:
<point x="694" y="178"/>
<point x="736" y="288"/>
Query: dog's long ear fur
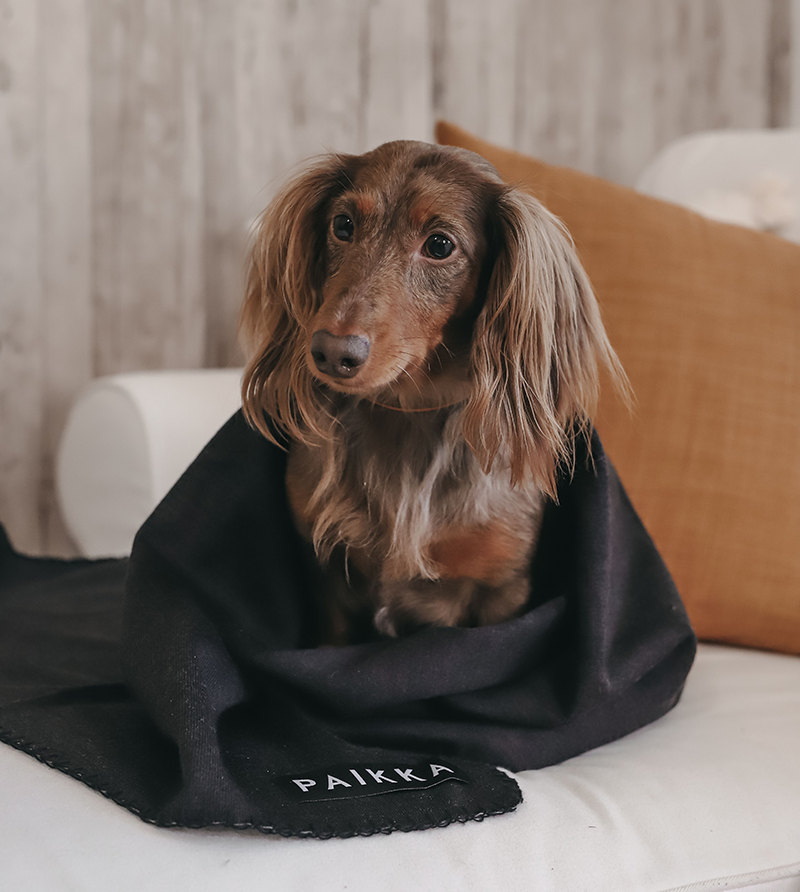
<point x="284" y="277"/>
<point x="537" y="347"/>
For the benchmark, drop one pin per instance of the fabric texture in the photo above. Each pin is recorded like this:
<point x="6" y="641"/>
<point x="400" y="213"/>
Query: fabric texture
<point x="705" y="318"/>
<point x="228" y="709"/>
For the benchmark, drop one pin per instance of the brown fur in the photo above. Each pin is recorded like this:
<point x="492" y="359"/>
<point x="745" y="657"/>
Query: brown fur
<point x="421" y="479"/>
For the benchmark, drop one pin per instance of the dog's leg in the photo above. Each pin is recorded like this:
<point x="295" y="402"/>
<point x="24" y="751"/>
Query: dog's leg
<point x="345" y="607"/>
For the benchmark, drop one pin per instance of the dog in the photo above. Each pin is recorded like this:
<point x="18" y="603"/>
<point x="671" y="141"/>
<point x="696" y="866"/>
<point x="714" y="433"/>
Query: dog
<point x="426" y="344"/>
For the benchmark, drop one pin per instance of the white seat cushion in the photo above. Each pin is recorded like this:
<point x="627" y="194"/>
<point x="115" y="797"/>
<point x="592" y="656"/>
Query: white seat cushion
<point x="706" y="798"/>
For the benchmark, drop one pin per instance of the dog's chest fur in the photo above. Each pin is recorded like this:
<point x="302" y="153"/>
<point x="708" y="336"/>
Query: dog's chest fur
<point x="403" y="496"/>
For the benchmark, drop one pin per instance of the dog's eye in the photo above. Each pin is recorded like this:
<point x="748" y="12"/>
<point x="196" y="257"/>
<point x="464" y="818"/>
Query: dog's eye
<point x="438" y="246"/>
<point x="343" y="227"/>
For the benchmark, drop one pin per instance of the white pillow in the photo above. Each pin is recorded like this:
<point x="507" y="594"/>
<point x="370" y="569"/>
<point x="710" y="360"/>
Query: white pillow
<point x="747" y="177"/>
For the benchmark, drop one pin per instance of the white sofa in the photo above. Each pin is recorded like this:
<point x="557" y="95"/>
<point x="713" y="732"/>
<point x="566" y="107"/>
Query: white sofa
<point x="706" y="798"/>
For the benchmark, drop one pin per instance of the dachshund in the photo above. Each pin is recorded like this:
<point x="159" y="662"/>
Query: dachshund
<point x="424" y="339"/>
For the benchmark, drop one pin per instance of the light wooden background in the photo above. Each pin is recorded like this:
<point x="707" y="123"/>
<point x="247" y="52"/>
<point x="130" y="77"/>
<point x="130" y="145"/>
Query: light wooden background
<point x="139" y="138"/>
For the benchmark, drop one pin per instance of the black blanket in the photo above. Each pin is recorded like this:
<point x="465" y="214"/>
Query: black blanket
<point x="204" y="701"/>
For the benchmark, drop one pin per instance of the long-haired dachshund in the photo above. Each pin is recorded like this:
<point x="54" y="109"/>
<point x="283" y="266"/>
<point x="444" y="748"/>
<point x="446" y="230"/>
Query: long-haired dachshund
<point x="424" y="338"/>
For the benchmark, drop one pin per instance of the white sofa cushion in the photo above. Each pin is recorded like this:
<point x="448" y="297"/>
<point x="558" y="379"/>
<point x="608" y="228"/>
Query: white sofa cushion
<point x="708" y="797"/>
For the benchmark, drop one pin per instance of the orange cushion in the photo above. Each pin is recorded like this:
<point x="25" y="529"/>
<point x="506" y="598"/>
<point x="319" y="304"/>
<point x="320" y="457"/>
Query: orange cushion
<point x="705" y="318"/>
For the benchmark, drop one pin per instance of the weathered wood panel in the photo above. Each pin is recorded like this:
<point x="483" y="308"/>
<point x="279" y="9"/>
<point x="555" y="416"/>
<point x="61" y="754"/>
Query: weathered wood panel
<point x="561" y="52"/>
<point x="146" y="184"/>
<point x="601" y="86"/>
<point x="140" y="138"/>
<point x="793" y="66"/>
<point x="779" y="73"/>
<point x="21" y="354"/>
<point x="66" y="345"/>
<point x="475" y="53"/>
<point x="397" y="73"/>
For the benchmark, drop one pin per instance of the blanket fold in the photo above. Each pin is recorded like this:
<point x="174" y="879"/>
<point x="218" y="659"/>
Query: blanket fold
<point x="185" y="683"/>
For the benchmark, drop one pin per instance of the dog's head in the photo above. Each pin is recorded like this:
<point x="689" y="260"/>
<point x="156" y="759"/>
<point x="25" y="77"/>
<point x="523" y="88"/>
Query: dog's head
<point x="414" y="277"/>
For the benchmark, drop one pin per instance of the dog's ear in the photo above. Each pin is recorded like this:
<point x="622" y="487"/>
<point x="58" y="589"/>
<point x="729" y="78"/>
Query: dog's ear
<point x="537" y="346"/>
<point x="284" y="277"/>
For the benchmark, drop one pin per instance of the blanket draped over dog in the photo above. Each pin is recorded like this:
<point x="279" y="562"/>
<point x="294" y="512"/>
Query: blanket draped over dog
<point x="202" y="702"/>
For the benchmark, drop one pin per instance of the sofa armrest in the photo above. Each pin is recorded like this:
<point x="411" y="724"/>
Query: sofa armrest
<point x="127" y="440"/>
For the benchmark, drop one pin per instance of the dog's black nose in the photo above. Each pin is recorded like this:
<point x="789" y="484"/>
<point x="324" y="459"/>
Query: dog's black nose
<point x="338" y="356"/>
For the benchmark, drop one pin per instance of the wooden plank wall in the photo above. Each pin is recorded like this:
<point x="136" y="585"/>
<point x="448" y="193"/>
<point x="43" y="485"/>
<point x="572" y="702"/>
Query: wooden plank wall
<point x="139" y="139"/>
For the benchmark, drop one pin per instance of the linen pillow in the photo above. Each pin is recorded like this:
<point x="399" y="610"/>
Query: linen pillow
<point x="705" y="318"/>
